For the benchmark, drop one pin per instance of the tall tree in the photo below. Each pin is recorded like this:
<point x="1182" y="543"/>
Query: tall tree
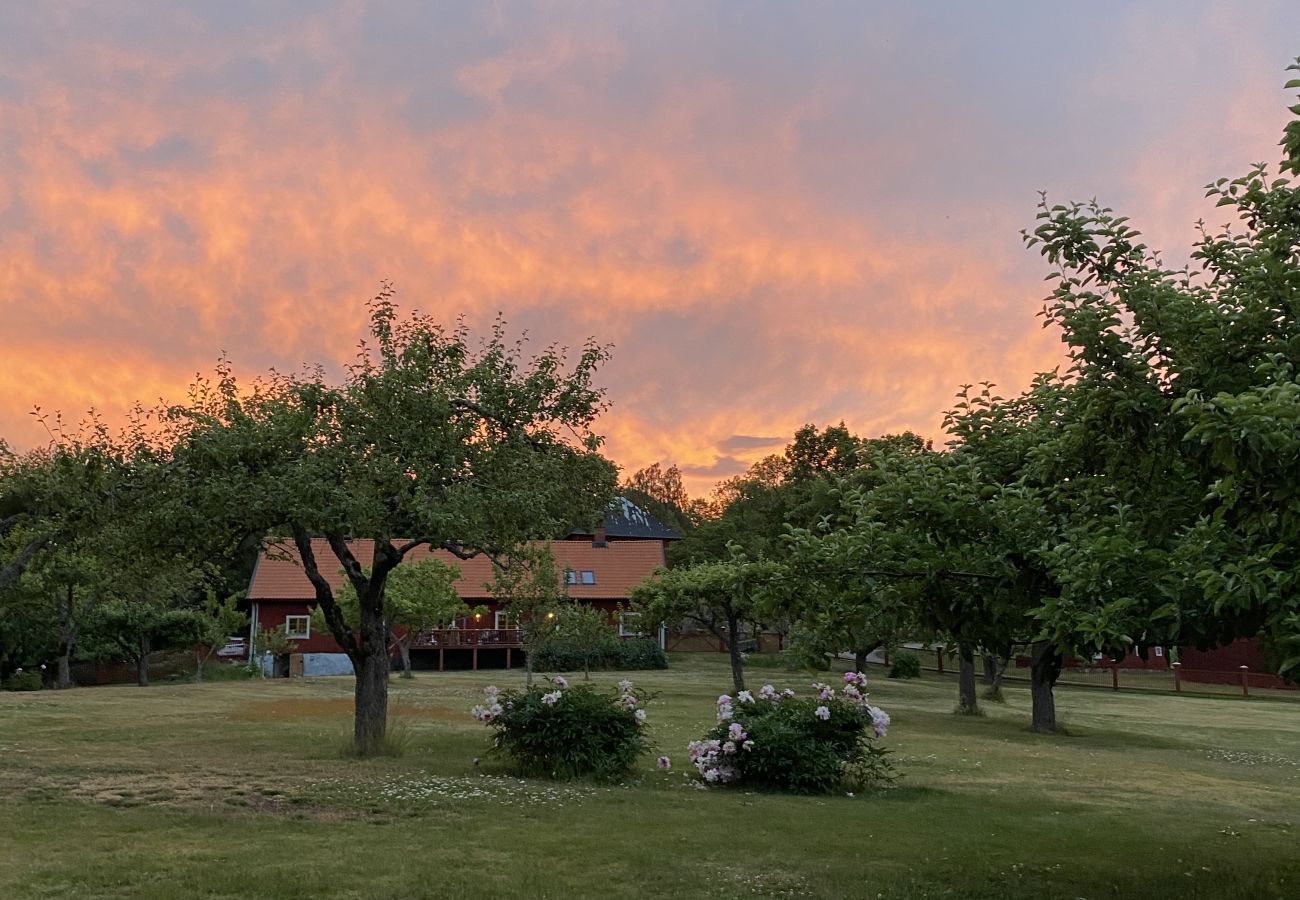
<point x="428" y="441"/>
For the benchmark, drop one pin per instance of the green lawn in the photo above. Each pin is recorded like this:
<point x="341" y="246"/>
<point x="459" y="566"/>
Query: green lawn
<point x="239" y="789"/>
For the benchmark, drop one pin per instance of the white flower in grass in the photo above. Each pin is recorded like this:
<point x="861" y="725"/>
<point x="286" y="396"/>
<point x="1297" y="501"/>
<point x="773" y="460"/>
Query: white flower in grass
<point x="663" y="763"/>
<point x="822" y="713"/>
<point x="745" y="697"/>
<point x="625" y="686"/>
<point x="748" y="745"/>
<point x="551" y="698"/>
<point x="787" y="693"/>
<point x="640" y="715"/>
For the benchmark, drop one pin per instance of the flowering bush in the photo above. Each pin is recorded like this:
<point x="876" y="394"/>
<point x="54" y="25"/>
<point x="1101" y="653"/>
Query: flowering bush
<point x="567" y="732"/>
<point x="812" y="745"/>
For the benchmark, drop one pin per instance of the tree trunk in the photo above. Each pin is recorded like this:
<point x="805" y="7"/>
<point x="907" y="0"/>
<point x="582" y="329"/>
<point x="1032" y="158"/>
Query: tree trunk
<point x="404" y="648"/>
<point x="371" y="664"/>
<point x="999" y="672"/>
<point x="1045" y="668"/>
<point x="67" y="637"/>
<point x="967" y="703"/>
<point x="859" y="660"/>
<point x="990" y="669"/>
<point x="142" y="663"/>
<point x="733" y="649"/>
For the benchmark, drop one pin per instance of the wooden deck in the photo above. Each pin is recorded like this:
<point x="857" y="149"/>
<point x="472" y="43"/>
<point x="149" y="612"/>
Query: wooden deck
<point x="472" y="639"/>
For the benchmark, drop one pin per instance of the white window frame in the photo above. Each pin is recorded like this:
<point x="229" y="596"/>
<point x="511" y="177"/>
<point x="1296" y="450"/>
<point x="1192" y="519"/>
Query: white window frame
<point x="297" y="635"/>
<point x="623" y="630"/>
<point x="501" y="620"/>
<point x="588" y="573"/>
<point x="1160" y="651"/>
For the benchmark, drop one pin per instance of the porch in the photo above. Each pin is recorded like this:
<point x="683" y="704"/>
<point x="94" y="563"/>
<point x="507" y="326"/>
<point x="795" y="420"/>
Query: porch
<point x="496" y="645"/>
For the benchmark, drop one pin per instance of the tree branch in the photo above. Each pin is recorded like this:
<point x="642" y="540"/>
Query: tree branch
<point x="324" y="595"/>
<point x="12" y="569"/>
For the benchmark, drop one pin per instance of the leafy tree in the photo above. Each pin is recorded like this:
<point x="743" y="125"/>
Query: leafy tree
<point x="418" y="595"/>
<point x="216" y="621"/>
<point x="269" y="645"/>
<point x="528" y="582"/>
<point x="582" y="632"/>
<point x="428" y="441"/>
<point x="134" y="629"/>
<point x="724" y="598"/>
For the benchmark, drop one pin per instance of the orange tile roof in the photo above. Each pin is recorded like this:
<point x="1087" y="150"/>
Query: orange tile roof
<point x="617" y="567"/>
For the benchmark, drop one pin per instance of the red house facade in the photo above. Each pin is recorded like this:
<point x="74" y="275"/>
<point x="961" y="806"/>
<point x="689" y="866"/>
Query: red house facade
<point x="601" y="568"/>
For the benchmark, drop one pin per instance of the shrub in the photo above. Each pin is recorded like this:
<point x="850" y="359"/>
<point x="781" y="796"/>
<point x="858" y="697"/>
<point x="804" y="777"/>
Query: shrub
<point x="557" y="655"/>
<point x="567" y="732"/>
<point x="812" y="745"/>
<point x="905" y="665"/>
<point x="638" y="653"/>
<point x="22" y="681"/>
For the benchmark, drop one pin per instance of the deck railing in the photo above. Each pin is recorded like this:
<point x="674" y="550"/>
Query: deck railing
<point x="457" y="638"/>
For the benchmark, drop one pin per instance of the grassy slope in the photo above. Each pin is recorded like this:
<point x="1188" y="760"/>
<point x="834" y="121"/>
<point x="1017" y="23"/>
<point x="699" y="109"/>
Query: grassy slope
<point x="239" y="790"/>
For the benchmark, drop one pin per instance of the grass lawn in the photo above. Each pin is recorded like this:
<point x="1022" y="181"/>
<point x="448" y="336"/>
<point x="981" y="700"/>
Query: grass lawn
<point x="239" y="789"/>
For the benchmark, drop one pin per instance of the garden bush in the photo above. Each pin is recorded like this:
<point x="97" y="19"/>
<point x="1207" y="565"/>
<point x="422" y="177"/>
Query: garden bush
<point x="905" y="665"/>
<point x="22" y="681"/>
<point x="564" y="732"/>
<point x="559" y="655"/>
<point x="812" y="745"/>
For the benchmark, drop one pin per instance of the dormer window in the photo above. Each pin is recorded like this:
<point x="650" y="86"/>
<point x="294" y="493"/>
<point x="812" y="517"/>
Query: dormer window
<point x="570" y="576"/>
<point x="588" y="576"/>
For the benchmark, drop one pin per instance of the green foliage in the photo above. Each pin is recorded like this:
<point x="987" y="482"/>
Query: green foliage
<point x="273" y="642"/>
<point x="581" y="638"/>
<point x="905" y="665"/>
<point x="624" y="654"/>
<point x="581" y="732"/>
<point x="419" y="594"/>
<point x="22" y="680"/>
<point x="782" y="744"/>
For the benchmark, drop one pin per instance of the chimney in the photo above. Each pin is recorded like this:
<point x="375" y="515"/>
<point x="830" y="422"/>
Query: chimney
<point x="598" y="539"/>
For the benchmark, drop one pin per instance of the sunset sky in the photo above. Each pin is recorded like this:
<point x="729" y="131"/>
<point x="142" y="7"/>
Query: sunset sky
<point x="777" y="213"/>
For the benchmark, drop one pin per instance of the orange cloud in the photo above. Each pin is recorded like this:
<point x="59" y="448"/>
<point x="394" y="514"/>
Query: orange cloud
<point x="242" y="187"/>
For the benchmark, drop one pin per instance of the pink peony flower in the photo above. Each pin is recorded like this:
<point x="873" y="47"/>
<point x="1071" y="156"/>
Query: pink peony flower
<point x="767" y="692"/>
<point x="559" y="681"/>
<point x="663" y="763"/>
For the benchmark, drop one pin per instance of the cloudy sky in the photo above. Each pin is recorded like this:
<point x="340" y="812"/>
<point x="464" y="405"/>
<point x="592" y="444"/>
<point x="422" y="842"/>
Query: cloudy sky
<point x="777" y="213"/>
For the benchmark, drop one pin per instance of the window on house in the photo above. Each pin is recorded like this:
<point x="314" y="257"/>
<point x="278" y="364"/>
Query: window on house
<point x="502" y="619"/>
<point x="627" y="624"/>
<point x="570" y="576"/>
<point x="297" y="627"/>
<point x="1160" y="651"/>
<point x="588" y="576"/>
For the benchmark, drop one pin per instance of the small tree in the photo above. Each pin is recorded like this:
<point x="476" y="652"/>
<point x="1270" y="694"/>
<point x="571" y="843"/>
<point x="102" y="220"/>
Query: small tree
<point x="582" y="632"/>
<point x="720" y="597"/>
<point x="528" y="583"/>
<point x="270" y="643"/>
<point x="217" y="621"/>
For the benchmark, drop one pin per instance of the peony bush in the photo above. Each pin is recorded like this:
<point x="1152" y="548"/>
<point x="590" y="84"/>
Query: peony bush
<point x="810" y="745"/>
<point x="562" y="731"/>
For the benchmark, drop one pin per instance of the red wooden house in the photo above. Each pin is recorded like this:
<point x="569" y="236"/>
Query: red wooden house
<point x="600" y="568"/>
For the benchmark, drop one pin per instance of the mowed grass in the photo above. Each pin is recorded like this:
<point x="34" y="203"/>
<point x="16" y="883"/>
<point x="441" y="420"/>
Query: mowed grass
<point x="240" y="789"/>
